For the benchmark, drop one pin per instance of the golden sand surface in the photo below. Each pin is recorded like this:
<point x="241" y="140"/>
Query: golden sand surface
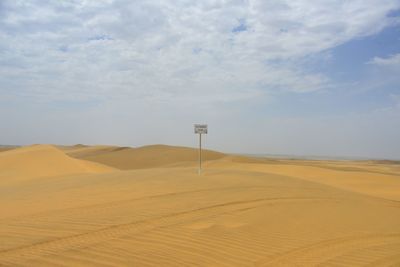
<point x="113" y="206"/>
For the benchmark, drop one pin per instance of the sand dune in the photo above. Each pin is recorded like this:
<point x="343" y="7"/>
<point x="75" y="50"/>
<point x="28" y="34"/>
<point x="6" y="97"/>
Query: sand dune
<point x="240" y="212"/>
<point x="126" y="158"/>
<point x="80" y="151"/>
<point x="6" y="148"/>
<point x="40" y="161"/>
<point x="374" y="179"/>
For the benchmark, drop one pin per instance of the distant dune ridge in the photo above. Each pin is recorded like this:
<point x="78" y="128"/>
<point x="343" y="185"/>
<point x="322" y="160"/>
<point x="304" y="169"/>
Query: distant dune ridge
<point x="5" y="148"/>
<point x="118" y="206"/>
<point x="126" y="158"/>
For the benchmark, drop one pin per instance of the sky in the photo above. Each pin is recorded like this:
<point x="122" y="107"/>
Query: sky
<point x="297" y="77"/>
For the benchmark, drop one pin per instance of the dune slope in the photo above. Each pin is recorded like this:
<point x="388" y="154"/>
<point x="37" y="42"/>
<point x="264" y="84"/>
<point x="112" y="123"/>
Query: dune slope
<point x="6" y="148"/>
<point x="40" y="161"/>
<point x="126" y="158"/>
<point x="374" y="179"/>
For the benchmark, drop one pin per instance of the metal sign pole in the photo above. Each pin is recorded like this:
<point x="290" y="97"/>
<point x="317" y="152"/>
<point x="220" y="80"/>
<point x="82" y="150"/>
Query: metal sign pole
<point x="200" y="129"/>
<point x="200" y="154"/>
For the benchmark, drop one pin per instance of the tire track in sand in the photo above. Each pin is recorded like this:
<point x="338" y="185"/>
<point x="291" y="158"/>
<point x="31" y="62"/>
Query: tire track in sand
<point x="321" y="252"/>
<point x="18" y="255"/>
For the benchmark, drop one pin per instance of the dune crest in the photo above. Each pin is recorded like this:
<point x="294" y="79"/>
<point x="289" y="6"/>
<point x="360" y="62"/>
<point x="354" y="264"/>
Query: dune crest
<point x="127" y="158"/>
<point x="42" y="161"/>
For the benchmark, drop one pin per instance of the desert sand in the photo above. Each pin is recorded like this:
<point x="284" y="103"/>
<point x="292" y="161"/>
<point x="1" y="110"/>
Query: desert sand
<point x="115" y="206"/>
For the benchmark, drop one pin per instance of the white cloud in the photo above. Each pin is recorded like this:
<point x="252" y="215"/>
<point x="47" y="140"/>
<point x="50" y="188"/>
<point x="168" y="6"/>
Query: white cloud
<point x="384" y="73"/>
<point x="174" y="48"/>
<point x="392" y="61"/>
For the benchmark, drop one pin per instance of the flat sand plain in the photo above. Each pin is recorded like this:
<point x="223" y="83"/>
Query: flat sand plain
<point x="116" y="206"/>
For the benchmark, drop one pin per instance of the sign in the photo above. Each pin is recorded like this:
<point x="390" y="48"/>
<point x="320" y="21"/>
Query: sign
<point x="200" y="128"/>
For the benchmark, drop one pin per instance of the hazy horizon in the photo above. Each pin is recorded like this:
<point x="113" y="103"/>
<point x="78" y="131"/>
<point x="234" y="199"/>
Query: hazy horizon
<point x="261" y="155"/>
<point x="282" y="77"/>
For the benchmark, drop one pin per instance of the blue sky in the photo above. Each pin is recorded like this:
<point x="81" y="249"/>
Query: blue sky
<point x="279" y="77"/>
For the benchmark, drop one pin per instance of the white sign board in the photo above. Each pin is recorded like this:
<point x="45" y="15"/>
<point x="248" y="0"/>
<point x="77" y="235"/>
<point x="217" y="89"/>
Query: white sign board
<point x="200" y="128"/>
